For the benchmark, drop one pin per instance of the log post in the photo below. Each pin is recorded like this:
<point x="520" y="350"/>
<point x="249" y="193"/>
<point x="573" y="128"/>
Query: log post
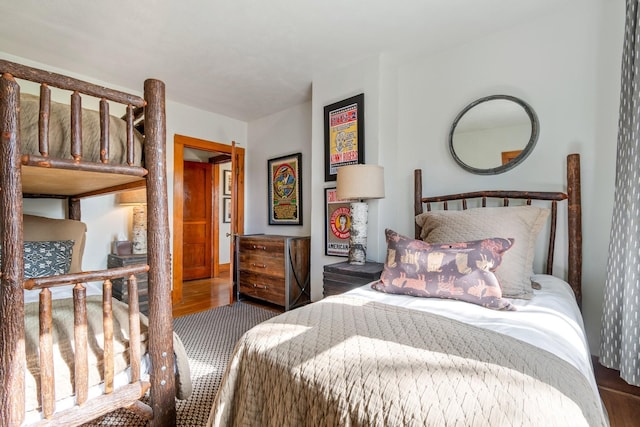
<point x="12" y="353"/>
<point x="575" y="225"/>
<point x="158" y="256"/>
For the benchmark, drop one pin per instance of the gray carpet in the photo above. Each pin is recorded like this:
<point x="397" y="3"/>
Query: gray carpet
<point x="209" y="338"/>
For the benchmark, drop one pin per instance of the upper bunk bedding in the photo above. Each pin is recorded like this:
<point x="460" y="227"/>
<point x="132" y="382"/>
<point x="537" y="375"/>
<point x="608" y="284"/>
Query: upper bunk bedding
<point x="65" y="149"/>
<point x="60" y="133"/>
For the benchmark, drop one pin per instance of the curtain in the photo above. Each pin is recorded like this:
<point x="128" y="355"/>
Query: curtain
<point x="620" y="339"/>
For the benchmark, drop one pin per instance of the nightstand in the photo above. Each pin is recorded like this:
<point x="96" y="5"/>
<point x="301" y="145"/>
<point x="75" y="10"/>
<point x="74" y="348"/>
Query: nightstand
<point x="342" y="276"/>
<point x="119" y="286"/>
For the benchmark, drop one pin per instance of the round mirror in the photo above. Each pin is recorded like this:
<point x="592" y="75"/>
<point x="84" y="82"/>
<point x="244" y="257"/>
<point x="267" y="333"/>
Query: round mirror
<point x="493" y="134"/>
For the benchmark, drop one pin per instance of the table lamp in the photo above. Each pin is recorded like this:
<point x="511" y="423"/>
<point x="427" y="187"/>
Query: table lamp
<point x="137" y="199"/>
<point x="358" y="183"/>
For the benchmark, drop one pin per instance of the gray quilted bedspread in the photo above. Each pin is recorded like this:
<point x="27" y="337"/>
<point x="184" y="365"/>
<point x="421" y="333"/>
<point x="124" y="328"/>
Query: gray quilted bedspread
<point x="349" y="362"/>
<point x="60" y="133"/>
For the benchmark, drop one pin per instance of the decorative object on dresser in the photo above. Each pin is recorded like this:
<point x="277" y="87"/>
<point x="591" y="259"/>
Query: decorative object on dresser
<point x="120" y="285"/>
<point x="343" y="276"/>
<point x="274" y="268"/>
<point x="137" y="199"/>
<point x="358" y="183"/>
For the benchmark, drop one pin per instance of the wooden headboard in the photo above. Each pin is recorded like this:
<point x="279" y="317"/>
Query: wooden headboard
<point x="574" y="213"/>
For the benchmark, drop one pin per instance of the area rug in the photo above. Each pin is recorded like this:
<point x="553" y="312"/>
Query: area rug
<point x="209" y="338"/>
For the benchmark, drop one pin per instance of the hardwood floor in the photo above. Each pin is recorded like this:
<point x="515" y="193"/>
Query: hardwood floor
<point x="621" y="399"/>
<point x="203" y="294"/>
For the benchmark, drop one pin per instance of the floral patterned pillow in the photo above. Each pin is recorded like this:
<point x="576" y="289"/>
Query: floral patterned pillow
<point x="462" y="271"/>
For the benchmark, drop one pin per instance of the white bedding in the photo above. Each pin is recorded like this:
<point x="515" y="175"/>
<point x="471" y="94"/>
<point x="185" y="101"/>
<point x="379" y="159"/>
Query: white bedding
<point x="550" y="320"/>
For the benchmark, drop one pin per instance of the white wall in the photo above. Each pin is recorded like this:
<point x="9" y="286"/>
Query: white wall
<point x="280" y="134"/>
<point x="566" y="66"/>
<point x="105" y="220"/>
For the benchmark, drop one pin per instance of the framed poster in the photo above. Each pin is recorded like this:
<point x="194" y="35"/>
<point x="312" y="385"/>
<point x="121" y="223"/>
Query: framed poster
<point x="337" y="224"/>
<point x="285" y="190"/>
<point x="343" y="135"/>
<point x="226" y="184"/>
<point x="226" y="209"/>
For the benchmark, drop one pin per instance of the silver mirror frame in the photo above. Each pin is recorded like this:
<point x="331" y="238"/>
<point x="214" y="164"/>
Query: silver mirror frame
<point x="535" y="130"/>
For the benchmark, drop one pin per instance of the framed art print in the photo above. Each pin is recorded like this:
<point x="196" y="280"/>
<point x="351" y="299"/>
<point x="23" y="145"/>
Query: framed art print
<point x="343" y="135"/>
<point x="226" y="184"/>
<point x="285" y="190"/>
<point x="337" y="224"/>
<point x="226" y="209"/>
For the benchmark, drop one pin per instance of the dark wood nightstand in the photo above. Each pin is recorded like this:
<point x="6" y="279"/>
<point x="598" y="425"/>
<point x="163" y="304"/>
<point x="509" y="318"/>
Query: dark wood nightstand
<point x="119" y="286"/>
<point x="342" y="276"/>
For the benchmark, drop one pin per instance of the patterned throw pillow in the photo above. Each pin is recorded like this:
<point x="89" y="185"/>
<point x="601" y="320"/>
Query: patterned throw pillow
<point x="48" y="258"/>
<point x="461" y="271"/>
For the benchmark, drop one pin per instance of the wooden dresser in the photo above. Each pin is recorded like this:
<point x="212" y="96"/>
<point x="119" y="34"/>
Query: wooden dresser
<point x="274" y="268"/>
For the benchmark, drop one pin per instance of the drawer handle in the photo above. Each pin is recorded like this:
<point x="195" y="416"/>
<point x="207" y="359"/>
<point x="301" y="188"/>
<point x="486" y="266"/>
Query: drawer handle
<point x="253" y="264"/>
<point x="256" y="286"/>
<point x="264" y="248"/>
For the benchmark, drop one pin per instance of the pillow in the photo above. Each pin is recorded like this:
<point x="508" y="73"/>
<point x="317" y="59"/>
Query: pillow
<point x="521" y="223"/>
<point x="461" y="271"/>
<point x="43" y="259"/>
<point x="37" y="228"/>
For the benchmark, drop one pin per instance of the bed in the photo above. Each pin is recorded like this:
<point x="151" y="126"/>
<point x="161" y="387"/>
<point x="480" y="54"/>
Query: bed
<point x="74" y="155"/>
<point x="486" y="347"/>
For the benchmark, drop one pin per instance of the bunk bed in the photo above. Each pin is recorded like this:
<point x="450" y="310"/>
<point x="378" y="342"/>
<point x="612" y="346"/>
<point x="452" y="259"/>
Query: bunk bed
<point x="36" y="168"/>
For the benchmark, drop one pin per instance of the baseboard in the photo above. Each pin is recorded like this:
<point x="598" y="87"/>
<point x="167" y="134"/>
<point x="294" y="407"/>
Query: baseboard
<point x="610" y="379"/>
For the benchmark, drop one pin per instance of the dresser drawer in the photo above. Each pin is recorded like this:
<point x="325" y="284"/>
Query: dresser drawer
<point x="267" y="247"/>
<point x="261" y="286"/>
<point x="261" y="264"/>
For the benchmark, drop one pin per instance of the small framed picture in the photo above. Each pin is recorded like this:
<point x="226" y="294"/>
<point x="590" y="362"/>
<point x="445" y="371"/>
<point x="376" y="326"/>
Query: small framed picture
<point x="226" y="184"/>
<point x="285" y="190"/>
<point x="226" y="209"/>
<point x="343" y="135"/>
<point x="337" y="224"/>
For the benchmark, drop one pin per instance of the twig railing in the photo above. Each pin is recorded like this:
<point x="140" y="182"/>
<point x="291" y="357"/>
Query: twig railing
<point x="81" y="375"/>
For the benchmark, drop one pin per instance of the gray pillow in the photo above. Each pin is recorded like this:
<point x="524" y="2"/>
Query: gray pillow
<point x="521" y="223"/>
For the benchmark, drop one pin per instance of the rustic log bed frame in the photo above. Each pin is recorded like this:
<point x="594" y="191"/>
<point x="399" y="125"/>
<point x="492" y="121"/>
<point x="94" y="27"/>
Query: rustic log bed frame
<point x="42" y="176"/>
<point x="574" y="215"/>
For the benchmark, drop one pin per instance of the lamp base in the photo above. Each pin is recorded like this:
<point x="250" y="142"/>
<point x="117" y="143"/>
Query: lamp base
<point x="139" y="230"/>
<point x="358" y="233"/>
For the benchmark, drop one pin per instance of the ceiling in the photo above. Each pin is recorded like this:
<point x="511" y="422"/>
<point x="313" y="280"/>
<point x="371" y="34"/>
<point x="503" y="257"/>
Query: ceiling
<point x="244" y="59"/>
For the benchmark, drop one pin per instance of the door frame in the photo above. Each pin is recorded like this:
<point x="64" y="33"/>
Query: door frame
<point x="179" y="143"/>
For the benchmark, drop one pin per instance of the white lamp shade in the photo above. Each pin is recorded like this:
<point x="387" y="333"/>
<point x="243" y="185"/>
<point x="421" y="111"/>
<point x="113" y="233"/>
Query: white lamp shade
<point x="360" y="182"/>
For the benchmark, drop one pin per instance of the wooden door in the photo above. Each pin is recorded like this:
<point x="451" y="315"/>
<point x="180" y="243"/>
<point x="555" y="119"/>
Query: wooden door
<point x="234" y="219"/>
<point x="197" y="236"/>
<point x="180" y="143"/>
